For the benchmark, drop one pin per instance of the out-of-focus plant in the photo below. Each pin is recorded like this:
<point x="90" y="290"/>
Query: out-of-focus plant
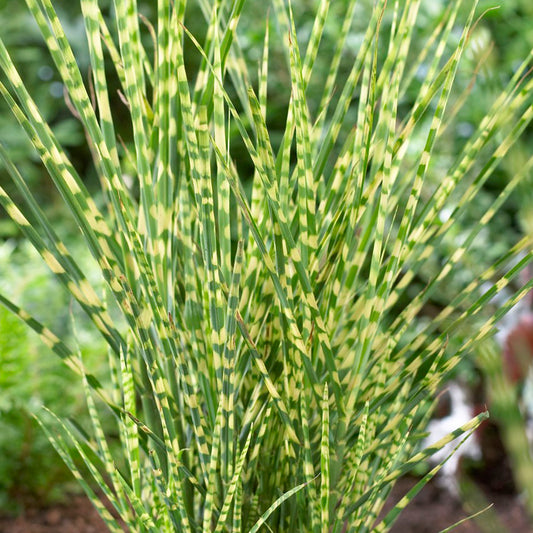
<point x="30" y="376"/>
<point x="268" y="367"/>
<point x="507" y="371"/>
<point x="503" y="389"/>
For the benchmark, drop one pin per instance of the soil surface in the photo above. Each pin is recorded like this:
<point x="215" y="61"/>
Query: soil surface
<point x="433" y="510"/>
<point x="78" y="516"/>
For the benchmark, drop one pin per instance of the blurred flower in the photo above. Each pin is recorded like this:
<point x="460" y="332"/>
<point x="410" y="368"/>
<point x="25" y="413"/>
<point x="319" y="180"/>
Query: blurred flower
<point x="518" y="349"/>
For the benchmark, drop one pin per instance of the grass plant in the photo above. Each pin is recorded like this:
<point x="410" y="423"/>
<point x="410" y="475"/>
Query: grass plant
<point x="269" y="368"/>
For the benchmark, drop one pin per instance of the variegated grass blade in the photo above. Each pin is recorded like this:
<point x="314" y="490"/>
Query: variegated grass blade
<point x="272" y="368"/>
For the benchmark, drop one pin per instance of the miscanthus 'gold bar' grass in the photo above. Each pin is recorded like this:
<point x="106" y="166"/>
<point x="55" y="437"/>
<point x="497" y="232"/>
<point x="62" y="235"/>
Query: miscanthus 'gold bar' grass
<point x="266" y="368"/>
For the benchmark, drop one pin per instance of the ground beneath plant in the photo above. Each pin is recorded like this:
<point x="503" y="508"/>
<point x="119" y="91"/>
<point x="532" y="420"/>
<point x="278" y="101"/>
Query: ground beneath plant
<point x="431" y="511"/>
<point x="435" y="509"/>
<point x="76" y="516"/>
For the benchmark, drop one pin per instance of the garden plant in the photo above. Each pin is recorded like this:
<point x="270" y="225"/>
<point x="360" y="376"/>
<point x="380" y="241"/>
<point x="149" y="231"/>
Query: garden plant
<point x="269" y="366"/>
<point x="29" y="376"/>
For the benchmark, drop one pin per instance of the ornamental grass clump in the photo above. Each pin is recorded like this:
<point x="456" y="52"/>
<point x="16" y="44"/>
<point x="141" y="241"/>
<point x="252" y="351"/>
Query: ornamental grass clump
<point x="269" y="368"/>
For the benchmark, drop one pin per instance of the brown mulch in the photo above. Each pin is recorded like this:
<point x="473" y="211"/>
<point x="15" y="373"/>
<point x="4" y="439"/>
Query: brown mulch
<point x="78" y="516"/>
<point x="430" y="512"/>
<point x="435" y="509"/>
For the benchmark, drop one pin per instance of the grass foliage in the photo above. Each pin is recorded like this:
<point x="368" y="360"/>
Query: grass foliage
<point x="268" y="370"/>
